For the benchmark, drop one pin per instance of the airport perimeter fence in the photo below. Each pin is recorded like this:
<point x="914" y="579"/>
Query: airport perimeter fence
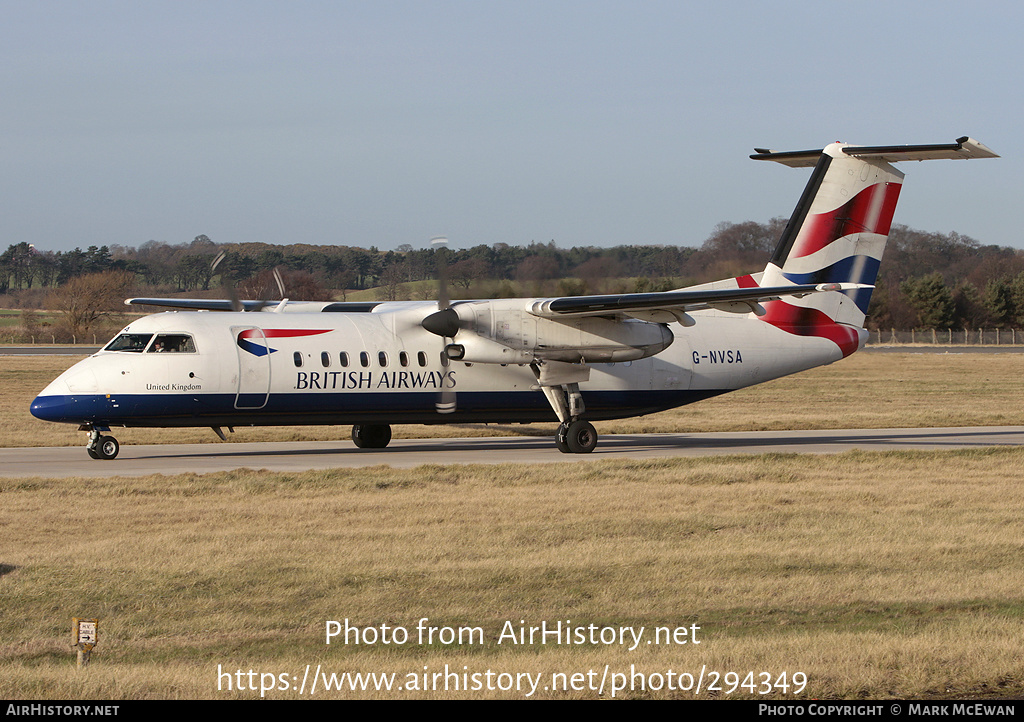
<point x="53" y="339"/>
<point x="948" y="337"/>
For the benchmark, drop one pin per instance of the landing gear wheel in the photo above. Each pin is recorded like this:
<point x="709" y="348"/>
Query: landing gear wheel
<point x="106" y="448"/>
<point x="93" y="454"/>
<point x="560" y="439"/>
<point x="371" y="436"/>
<point x="580" y="437"/>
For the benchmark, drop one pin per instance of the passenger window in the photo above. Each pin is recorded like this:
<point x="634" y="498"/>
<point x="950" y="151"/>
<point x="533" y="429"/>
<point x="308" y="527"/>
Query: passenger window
<point x="382" y="359"/>
<point x="422" y="358"/>
<point x="325" y="359"/>
<point x="297" y="357"/>
<point x="403" y="358"/>
<point x="343" y="357"/>
<point x="364" y="359"/>
<point x="444" y="359"/>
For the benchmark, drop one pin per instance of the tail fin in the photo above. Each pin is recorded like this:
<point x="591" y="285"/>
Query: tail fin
<point x="838" y="231"/>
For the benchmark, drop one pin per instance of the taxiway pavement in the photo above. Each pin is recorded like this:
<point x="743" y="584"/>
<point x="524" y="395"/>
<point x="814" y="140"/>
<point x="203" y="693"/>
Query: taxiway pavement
<point x="142" y="460"/>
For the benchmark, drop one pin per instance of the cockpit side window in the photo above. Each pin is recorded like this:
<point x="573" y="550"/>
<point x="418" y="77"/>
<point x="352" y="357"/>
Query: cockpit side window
<point x="173" y="343"/>
<point x="134" y="342"/>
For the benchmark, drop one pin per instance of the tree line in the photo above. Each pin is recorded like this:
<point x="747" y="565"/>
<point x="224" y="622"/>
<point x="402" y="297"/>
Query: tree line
<point x="927" y="280"/>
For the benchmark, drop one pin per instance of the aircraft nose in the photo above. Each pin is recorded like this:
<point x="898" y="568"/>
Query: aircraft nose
<point x="49" y="408"/>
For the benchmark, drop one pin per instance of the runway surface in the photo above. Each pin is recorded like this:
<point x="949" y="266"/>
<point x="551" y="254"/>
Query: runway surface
<point x="140" y="460"/>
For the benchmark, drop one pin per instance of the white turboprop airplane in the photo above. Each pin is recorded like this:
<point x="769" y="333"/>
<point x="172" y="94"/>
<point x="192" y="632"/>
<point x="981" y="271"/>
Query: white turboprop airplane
<point x="576" y="359"/>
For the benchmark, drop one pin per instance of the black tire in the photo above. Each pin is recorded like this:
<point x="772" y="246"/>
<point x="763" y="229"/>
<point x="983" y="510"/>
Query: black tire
<point x="560" y="439"/>
<point x="581" y="437"/>
<point x="371" y="436"/>
<point x="107" y="448"/>
<point x="93" y="454"/>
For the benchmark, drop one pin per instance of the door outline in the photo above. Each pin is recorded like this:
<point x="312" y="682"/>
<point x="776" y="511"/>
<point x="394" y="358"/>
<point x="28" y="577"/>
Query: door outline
<point x="253" y="368"/>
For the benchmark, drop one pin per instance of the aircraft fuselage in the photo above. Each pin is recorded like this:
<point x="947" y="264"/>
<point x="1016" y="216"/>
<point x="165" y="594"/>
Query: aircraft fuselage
<point x="268" y="369"/>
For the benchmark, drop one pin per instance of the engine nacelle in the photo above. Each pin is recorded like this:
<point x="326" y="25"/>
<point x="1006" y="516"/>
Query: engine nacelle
<point x="504" y="331"/>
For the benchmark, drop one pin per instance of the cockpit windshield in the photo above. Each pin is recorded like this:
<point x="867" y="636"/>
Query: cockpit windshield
<point x="173" y="343"/>
<point x="134" y="342"/>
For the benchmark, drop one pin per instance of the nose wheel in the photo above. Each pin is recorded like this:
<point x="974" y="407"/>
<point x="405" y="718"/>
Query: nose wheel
<point x="102" y="447"/>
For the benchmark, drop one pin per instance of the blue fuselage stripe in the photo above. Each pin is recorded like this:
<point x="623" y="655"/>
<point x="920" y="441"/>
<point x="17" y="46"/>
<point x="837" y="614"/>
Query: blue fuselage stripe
<point x="165" y="410"/>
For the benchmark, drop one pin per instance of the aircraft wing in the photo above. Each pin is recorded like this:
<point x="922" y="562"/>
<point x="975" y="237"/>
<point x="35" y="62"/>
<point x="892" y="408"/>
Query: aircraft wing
<point x="195" y="304"/>
<point x="736" y="300"/>
<point x="214" y="304"/>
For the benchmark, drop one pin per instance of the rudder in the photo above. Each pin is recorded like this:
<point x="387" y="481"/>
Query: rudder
<point x="838" y="232"/>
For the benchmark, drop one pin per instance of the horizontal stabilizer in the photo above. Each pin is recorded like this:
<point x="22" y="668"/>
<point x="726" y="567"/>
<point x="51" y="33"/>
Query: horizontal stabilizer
<point x="964" y="148"/>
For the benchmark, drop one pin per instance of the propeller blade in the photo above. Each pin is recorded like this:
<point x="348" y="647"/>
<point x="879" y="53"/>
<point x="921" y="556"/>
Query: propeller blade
<point x="265" y="293"/>
<point x="441" y="243"/>
<point x="446" y="403"/>
<point x="280" y="282"/>
<point x="444" y="323"/>
<point x="229" y="287"/>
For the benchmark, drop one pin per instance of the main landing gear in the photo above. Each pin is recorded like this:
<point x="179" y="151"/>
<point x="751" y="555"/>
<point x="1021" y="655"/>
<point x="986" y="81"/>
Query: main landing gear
<point x="560" y="383"/>
<point x="576" y="437"/>
<point x="101" y="447"/>
<point x="371" y="436"/>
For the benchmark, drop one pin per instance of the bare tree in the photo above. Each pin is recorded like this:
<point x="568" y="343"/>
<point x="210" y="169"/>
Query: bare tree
<point x="84" y="300"/>
<point x="391" y="282"/>
<point x="298" y="286"/>
<point x="466" y="273"/>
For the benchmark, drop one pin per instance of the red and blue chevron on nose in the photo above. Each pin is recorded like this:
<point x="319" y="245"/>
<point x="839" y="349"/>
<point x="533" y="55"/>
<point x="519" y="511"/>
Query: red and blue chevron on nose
<point x="258" y="349"/>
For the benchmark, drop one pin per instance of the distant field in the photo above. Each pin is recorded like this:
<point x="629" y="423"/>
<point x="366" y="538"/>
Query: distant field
<point x="869" y="575"/>
<point x="863" y="391"/>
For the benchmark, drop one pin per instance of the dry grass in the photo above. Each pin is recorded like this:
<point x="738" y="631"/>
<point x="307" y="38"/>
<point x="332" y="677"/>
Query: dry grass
<point x="876" y="574"/>
<point x="864" y="391"/>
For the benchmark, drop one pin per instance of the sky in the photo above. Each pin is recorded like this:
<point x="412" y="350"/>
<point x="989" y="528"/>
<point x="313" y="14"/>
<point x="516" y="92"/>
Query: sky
<point x="389" y="122"/>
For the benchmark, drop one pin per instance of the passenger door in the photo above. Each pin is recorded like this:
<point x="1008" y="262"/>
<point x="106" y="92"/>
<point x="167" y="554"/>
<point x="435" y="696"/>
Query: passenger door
<point x="253" y="367"/>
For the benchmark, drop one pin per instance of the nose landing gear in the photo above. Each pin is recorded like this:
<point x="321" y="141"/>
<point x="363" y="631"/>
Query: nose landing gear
<point x="101" y="447"/>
